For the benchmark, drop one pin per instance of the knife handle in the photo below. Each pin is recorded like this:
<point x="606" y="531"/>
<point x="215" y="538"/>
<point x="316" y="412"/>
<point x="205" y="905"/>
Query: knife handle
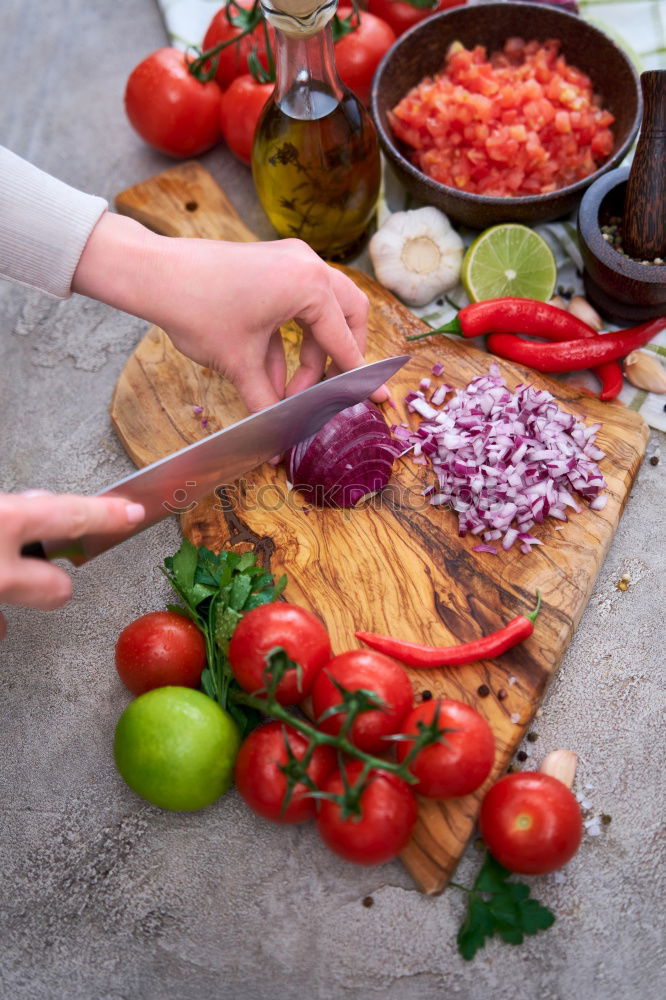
<point x="33" y="550"/>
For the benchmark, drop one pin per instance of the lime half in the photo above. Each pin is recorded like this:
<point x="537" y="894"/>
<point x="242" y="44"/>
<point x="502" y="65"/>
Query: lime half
<point x="509" y="260"/>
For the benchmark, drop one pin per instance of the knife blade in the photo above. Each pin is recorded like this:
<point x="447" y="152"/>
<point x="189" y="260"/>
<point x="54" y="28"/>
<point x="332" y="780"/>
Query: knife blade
<point x="176" y="483"/>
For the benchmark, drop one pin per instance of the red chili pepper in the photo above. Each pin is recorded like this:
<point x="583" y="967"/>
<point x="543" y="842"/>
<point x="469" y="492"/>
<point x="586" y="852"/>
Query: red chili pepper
<point x="415" y="655"/>
<point x="538" y="319"/>
<point x="573" y="354"/>
<point x="611" y="378"/>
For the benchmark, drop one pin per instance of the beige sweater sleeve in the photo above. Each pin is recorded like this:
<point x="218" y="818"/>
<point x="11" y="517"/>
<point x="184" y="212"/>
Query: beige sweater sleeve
<point x="44" y="226"/>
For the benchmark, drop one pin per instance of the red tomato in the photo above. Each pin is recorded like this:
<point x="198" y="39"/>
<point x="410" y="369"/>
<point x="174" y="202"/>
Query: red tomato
<point x="359" y="53"/>
<point x="263" y="785"/>
<point x="240" y="109"/>
<point x="233" y="59"/>
<point x="388" y="814"/>
<point x="279" y="626"/>
<point x="461" y="760"/>
<point x="401" y="16"/>
<point x="363" y="668"/>
<point x="159" y="649"/>
<point x="170" y="109"/>
<point x="531" y="823"/>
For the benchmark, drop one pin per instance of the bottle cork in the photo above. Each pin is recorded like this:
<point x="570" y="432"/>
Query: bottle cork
<point x="299" y="18"/>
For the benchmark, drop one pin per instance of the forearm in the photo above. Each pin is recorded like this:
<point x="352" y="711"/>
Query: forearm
<point x="124" y="265"/>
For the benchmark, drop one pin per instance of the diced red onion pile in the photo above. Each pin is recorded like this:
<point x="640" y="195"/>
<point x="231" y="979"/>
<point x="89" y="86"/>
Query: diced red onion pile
<point x="351" y="456"/>
<point x="504" y="460"/>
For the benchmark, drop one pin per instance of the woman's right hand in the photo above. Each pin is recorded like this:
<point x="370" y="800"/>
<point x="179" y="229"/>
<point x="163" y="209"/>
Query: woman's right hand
<point x="37" y="515"/>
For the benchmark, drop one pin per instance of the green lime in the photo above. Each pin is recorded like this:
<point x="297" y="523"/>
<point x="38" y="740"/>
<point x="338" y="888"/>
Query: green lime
<point x="506" y="261"/>
<point x="176" y="748"/>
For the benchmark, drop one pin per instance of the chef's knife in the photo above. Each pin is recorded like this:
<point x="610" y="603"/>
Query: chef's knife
<point x="174" y="484"/>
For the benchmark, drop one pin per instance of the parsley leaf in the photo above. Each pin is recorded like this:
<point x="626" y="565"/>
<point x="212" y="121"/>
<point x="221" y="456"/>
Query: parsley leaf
<point x="217" y="589"/>
<point x="499" y="907"/>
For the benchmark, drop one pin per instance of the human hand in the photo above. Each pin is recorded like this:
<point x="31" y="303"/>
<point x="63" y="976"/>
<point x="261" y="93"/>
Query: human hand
<point x="26" y="517"/>
<point x="222" y="303"/>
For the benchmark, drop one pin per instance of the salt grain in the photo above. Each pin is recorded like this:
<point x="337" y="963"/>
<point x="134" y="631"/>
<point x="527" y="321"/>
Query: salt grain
<point x="515" y="717"/>
<point x="593" y="826"/>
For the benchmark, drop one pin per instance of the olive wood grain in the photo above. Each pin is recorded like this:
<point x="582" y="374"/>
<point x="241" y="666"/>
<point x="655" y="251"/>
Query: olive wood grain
<point x="395" y="564"/>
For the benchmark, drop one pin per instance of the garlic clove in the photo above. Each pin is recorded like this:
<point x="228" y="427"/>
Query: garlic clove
<point x="417" y="255"/>
<point x="560" y="764"/>
<point x="645" y="371"/>
<point x="581" y="308"/>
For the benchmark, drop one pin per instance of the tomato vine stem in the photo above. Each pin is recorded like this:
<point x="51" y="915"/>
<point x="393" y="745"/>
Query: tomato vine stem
<point x="269" y="706"/>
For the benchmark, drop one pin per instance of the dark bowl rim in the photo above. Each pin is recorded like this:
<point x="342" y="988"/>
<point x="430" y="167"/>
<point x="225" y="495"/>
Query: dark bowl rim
<point x="536" y="200"/>
<point x="587" y="224"/>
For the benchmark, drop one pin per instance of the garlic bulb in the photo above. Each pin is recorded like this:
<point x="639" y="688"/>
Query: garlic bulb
<point x="417" y="255"/>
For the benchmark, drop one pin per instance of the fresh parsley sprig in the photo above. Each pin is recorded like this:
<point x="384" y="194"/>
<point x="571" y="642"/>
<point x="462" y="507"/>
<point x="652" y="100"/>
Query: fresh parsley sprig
<point x="216" y="591"/>
<point x="496" y="906"/>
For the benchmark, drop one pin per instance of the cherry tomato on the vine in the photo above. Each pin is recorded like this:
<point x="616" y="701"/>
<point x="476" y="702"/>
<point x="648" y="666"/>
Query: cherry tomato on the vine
<point x="240" y="109"/>
<point x="279" y="626"/>
<point x="370" y="671"/>
<point x="233" y="59"/>
<point x="388" y="814"/>
<point x="531" y="823"/>
<point x="461" y="760"/>
<point x="169" y="108"/>
<point x="401" y="15"/>
<point x="358" y="54"/>
<point x="159" y="649"/>
<point x="263" y="785"/>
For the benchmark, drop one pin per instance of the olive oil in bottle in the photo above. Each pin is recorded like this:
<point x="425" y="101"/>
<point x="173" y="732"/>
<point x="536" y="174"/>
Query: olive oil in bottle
<point x="315" y="160"/>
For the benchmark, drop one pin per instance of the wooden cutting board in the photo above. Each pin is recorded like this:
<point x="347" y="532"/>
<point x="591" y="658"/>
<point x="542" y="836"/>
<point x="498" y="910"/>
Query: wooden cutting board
<point x="396" y="565"/>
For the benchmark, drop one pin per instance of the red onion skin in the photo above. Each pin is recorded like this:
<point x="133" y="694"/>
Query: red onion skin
<point x="350" y="457"/>
<point x="347" y="426"/>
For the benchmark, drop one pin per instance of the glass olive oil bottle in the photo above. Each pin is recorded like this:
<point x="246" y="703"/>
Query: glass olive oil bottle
<point x="315" y="160"/>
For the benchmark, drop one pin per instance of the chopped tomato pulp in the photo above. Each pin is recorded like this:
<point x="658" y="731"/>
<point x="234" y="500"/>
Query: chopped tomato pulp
<point x="520" y="122"/>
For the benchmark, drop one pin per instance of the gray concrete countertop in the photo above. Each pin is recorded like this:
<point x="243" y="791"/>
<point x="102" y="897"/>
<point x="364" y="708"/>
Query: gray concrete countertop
<point x="106" y="898"/>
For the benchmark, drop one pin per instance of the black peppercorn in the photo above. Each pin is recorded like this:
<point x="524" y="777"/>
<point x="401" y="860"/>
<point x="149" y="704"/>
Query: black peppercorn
<point x="532" y="737"/>
<point x="502" y="694"/>
<point x="521" y="755"/>
<point x="654" y="459"/>
<point x="426" y="695"/>
<point x="483" y="691"/>
<point x="368" y="901"/>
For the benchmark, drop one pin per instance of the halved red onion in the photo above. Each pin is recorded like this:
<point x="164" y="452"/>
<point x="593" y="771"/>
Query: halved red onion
<point x="350" y="457"/>
<point x="504" y="461"/>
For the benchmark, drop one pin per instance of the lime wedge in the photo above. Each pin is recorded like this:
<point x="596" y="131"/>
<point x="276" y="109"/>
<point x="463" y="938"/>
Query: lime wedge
<point x="509" y="260"/>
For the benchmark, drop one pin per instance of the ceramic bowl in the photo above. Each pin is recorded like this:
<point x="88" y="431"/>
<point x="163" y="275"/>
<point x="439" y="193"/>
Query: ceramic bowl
<point x="624" y="290"/>
<point x="421" y="51"/>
